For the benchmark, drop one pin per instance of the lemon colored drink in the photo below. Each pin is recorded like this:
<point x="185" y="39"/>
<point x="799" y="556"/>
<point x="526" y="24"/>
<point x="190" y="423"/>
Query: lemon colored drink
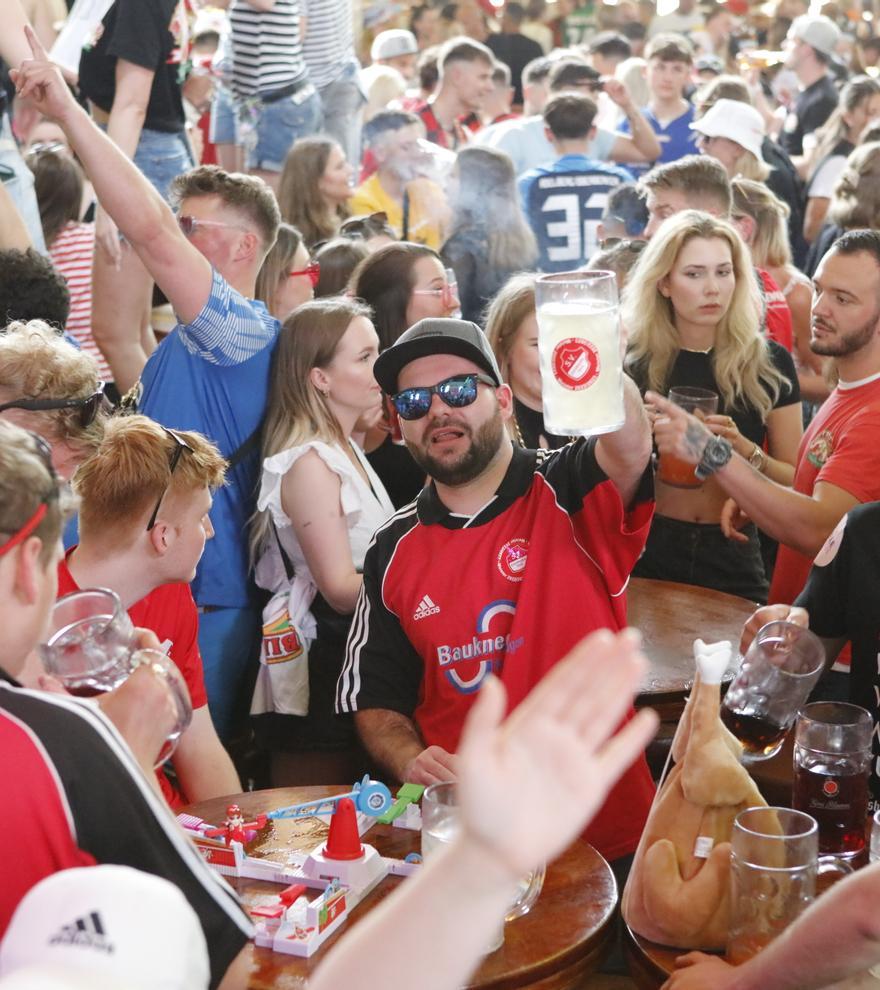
<point x="581" y="368"/>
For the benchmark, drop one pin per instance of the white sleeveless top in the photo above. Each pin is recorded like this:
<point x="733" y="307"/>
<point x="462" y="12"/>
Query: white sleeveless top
<point x="365" y="507"/>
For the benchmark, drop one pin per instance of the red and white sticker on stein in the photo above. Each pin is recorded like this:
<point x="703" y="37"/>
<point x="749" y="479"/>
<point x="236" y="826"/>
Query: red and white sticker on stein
<point x="579" y="352"/>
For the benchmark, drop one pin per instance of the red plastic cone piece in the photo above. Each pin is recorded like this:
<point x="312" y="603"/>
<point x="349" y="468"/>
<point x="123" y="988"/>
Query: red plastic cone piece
<point x="343" y="842"/>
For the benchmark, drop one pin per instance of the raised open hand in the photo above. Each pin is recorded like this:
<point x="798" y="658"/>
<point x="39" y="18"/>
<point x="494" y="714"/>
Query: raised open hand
<point x="527" y="787"/>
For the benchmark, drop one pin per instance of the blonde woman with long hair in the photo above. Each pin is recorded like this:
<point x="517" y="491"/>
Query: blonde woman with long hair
<point x="762" y="222"/>
<point x="489" y="237"/>
<point x="319" y="503"/>
<point x="512" y="329"/>
<point x="315" y="186"/>
<point x="692" y="313"/>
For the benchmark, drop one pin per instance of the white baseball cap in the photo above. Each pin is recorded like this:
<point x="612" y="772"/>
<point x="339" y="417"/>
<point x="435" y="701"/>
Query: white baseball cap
<point x="105" y="927"/>
<point x="817" y="31"/>
<point x="391" y="44"/>
<point x="736" y="121"/>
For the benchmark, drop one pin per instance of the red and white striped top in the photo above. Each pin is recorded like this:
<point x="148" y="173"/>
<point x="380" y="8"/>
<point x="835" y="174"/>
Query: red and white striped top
<point x="72" y="252"/>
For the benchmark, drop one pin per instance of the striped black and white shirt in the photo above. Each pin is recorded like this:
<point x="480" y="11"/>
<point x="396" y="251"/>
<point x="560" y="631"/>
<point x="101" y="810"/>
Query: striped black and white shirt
<point x="267" y="51"/>
<point x="329" y="42"/>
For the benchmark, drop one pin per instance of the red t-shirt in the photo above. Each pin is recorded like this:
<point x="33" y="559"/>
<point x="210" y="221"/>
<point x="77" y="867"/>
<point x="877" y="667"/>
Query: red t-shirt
<point x="778" y="314"/>
<point x="840" y="447"/>
<point x="170" y="612"/>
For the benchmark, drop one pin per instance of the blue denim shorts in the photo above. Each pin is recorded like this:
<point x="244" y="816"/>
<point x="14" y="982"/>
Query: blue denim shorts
<point x="280" y="124"/>
<point x="162" y="157"/>
<point x="223" y="128"/>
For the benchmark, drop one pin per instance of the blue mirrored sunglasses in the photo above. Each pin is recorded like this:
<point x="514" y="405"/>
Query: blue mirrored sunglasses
<point x="458" y="391"/>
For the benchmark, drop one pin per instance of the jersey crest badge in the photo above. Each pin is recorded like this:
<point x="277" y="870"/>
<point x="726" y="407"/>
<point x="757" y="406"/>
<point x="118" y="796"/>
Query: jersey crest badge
<point x="512" y="559"/>
<point x="820" y="449"/>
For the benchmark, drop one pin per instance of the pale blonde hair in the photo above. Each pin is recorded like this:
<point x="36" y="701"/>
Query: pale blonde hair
<point x="744" y="372"/>
<point x="37" y="363"/>
<point x="770" y="247"/>
<point x="749" y="166"/>
<point x="131" y="471"/>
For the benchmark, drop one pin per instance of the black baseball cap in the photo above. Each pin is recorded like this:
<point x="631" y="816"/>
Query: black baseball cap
<point x="435" y="336"/>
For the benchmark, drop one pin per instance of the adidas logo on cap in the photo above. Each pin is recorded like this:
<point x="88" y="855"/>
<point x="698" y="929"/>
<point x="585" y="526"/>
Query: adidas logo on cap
<point x="87" y="931"/>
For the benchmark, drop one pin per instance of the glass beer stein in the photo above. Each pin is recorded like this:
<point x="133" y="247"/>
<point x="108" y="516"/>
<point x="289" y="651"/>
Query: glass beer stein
<point x="579" y="353"/>
<point x="832" y="761"/>
<point x="778" y="672"/>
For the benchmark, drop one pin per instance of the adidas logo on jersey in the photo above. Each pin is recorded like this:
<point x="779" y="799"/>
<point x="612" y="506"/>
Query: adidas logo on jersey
<point x="87" y="931"/>
<point x="426" y="608"/>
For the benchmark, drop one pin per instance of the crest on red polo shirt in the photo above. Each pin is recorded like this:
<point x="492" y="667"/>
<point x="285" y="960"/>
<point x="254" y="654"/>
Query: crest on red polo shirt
<point x="512" y="559"/>
<point x="820" y="449"/>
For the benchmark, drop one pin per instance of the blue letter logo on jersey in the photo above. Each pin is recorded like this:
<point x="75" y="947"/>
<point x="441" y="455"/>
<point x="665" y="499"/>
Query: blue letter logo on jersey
<point x="491" y="649"/>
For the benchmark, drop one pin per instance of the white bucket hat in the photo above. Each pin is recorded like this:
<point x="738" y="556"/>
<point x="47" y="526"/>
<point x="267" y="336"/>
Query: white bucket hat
<point x="736" y="121"/>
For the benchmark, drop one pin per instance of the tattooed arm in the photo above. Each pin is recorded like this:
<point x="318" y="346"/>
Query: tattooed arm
<point x="802" y="522"/>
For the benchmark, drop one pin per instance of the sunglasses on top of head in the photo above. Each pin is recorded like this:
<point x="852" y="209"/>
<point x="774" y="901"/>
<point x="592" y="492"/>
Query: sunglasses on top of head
<point x="87" y="406"/>
<point x="457" y="392"/>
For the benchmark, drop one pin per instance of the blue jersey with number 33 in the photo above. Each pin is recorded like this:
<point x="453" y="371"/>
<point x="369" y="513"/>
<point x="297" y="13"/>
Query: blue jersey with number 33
<point x="563" y="204"/>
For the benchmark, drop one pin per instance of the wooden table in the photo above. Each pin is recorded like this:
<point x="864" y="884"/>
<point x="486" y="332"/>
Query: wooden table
<point x="670" y="617"/>
<point x="555" y="946"/>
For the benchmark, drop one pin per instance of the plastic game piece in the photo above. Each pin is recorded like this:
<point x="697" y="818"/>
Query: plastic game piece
<point x="407" y="797"/>
<point x="343" y="842"/>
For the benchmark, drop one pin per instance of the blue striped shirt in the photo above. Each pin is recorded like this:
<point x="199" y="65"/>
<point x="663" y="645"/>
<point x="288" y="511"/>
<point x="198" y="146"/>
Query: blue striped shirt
<point x="212" y="376"/>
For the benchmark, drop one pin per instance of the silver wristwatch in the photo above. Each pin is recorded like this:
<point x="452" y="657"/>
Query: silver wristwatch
<point x="716" y="454"/>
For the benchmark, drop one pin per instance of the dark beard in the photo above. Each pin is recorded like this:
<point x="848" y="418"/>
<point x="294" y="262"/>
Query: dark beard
<point x="848" y="343"/>
<point x="483" y="448"/>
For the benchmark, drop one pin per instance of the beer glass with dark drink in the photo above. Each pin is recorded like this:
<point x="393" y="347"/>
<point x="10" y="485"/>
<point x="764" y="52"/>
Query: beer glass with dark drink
<point x="832" y="762"/>
<point x="777" y="674"/>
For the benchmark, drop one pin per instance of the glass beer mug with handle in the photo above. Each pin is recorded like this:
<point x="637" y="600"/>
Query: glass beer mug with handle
<point x="579" y="353"/>
<point x="775" y="678"/>
<point x="774" y="863"/>
<point x="832" y="764"/>
<point x="441" y="825"/>
<point x="92" y="648"/>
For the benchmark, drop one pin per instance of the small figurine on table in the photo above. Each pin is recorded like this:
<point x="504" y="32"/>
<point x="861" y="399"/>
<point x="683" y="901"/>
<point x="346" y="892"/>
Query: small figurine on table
<point x="235" y="828"/>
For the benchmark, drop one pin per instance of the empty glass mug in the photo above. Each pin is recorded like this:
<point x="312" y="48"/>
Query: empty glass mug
<point x="774" y="863"/>
<point x="775" y="678"/>
<point x="441" y="826"/>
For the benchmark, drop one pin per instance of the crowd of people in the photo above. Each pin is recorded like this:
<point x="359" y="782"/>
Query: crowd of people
<point x="269" y="360"/>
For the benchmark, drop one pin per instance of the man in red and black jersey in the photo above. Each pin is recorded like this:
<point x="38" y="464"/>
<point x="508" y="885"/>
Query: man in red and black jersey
<point x="502" y="564"/>
<point x="73" y="793"/>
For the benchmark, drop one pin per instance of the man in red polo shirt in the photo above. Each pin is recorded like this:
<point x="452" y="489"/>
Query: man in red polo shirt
<point x="838" y="464"/>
